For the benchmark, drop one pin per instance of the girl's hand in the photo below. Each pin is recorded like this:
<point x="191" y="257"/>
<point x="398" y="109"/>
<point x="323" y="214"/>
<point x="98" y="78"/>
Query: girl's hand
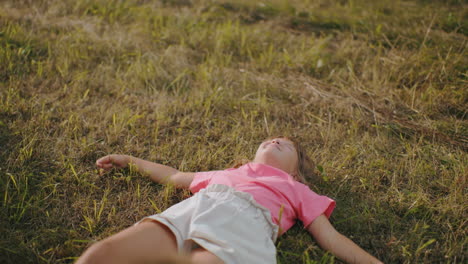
<point x="110" y="161"/>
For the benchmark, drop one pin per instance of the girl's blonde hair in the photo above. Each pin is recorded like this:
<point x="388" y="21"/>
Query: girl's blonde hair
<point x="305" y="165"/>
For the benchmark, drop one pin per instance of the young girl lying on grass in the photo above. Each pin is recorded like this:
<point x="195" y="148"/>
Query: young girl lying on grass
<point x="234" y="216"/>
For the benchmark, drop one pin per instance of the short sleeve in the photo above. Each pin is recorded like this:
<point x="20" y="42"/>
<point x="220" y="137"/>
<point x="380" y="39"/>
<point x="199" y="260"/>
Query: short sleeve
<point x="312" y="205"/>
<point x="201" y="180"/>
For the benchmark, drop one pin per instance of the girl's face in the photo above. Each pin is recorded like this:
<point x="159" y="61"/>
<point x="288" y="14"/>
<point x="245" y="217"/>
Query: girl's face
<point x="279" y="153"/>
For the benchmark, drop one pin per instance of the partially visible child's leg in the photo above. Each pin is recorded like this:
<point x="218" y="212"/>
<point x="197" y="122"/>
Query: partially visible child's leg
<point x="203" y="256"/>
<point x="146" y="242"/>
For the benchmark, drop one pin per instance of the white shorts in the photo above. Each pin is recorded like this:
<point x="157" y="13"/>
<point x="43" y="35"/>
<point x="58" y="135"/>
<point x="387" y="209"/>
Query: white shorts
<point x="226" y="222"/>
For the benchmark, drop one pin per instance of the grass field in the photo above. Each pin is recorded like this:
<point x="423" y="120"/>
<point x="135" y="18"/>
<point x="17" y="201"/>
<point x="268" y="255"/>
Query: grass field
<point x="376" y="91"/>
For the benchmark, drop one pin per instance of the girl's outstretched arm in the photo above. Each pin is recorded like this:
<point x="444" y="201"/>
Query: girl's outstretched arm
<point x="157" y="172"/>
<point x="342" y="247"/>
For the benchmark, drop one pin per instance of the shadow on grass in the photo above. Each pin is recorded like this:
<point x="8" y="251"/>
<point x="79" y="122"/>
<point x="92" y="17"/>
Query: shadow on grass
<point x="318" y="25"/>
<point x="12" y="246"/>
<point x="21" y="56"/>
<point x="25" y="187"/>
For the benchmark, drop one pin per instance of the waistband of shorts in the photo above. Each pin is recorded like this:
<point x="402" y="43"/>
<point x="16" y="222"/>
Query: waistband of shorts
<point x="249" y="198"/>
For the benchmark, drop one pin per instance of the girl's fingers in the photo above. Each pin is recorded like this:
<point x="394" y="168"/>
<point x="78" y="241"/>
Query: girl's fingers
<point x="110" y="161"/>
<point x="105" y="159"/>
<point x="106" y="166"/>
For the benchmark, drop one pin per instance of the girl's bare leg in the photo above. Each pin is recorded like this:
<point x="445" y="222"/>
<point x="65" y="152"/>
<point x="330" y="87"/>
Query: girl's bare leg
<point x="201" y="255"/>
<point x="147" y="242"/>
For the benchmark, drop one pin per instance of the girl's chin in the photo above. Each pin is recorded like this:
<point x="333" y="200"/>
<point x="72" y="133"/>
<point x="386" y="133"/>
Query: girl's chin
<point x="269" y="158"/>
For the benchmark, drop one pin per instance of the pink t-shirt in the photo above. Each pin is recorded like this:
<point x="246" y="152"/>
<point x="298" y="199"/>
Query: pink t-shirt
<point x="273" y="189"/>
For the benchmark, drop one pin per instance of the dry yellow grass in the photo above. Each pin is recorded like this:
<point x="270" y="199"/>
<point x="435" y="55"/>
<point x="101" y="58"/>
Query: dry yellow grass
<point x="375" y="90"/>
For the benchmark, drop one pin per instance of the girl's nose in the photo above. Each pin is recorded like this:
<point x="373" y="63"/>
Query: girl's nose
<point x="274" y="141"/>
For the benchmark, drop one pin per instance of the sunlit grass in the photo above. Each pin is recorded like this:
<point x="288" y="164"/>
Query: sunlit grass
<point x="376" y="91"/>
